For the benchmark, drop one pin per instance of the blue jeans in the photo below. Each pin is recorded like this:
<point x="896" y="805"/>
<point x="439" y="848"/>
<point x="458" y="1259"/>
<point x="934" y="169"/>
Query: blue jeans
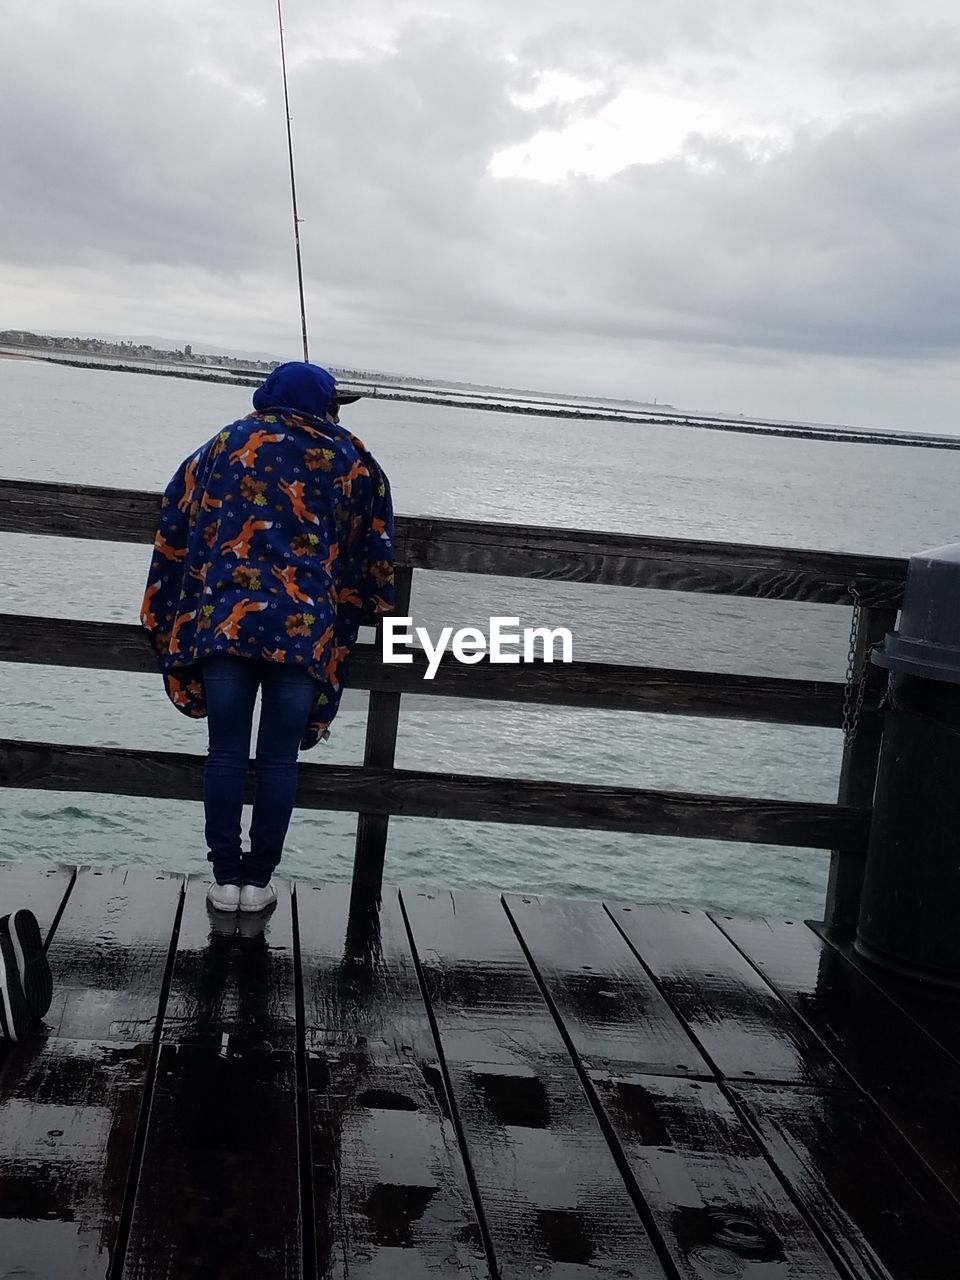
<point x="230" y="683"/>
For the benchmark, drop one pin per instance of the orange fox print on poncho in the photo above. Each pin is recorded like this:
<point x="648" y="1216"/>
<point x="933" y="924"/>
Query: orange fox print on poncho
<point x="345" y="483"/>
<point x="322" y="644"/>
<point x="178" y="622"/>
<point x="167" y="550"/>
<point x="147" y="616"/>
<point x="337" y="654"/>
<point x="247" y="453"/>
<point x="347" y="595"/>
<point x="294" y="492"/>
<point x="240" y="545"/>
<point x="331" y="558"/>
<point x="288" y="577"/>
<point x="230" y="626"/>
<point x="190" y="482"/>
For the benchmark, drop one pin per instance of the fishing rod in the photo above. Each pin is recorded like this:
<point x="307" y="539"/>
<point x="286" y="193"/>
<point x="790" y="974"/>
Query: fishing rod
<point x="293" y="185"/>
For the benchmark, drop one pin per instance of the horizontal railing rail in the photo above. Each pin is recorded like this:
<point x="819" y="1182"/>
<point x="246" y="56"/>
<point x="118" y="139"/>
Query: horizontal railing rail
<point x="513" y="551"/>
<point x="607" y="686"/>
<point x="377" y="790"/>
<point x="467" y="797"/>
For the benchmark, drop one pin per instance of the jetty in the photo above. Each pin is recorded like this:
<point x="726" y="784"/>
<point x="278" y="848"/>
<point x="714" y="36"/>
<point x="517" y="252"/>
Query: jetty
<point x="442" y="396"/>
<point x="375" y="1082"/>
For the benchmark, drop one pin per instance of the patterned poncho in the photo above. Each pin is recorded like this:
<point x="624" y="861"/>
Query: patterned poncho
<point x="275" y="541"/>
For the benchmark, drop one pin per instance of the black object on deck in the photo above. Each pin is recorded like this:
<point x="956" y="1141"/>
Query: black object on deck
<point x="467" y="1086"/>
<point x="911" y="894"/>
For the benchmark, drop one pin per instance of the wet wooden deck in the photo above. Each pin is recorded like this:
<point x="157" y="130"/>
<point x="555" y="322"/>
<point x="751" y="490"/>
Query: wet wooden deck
<point x="481" y="1088"/>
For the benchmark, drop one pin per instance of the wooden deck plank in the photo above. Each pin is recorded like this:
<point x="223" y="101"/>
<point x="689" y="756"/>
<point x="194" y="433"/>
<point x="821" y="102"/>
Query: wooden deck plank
<point x="38" y="886"/>
<point x="483" y="994"/>
<point x="219" y="1185"/>
<point x="741" y="1024"/>
<point x="913" y="1080"/>
<point x="219" y="1189"/>
<point x="713" y="1200"/>
<point x="713" y="1197"/>
<point x="882" y="1210"/>
<point x="68" y="1118"/>
<point x="384" y="1014"/>
<point x="616" y="1017"/>
<point x="234" y="975"/>
<point x="71" y="1096"/>
<point x="110" y="952"/>
<point x="391" y="1194"/>
<point x="553" y="1197"/>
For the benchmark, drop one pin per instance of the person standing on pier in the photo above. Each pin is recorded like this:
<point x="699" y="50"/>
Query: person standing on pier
<point x="274" y="545"/>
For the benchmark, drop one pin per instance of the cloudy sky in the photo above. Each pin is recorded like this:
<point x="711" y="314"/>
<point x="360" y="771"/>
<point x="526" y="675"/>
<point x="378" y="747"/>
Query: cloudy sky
<point x="751" y="206"/>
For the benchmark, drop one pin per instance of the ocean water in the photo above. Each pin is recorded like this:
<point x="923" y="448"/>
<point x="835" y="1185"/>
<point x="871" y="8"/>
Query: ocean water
<point x="130" y="430"/>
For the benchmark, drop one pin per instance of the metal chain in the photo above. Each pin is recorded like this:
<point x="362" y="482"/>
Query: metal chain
<point x="856" y="682"/>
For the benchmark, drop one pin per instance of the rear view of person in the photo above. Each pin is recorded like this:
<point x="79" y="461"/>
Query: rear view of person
<point x="274" y="545"/>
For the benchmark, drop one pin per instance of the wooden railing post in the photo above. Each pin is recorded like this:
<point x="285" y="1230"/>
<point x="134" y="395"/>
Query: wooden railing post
<point x="383" y="716"/>
<point x="858" y="772"/>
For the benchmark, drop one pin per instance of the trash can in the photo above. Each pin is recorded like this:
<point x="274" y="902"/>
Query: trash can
<point x="910" y="907"/>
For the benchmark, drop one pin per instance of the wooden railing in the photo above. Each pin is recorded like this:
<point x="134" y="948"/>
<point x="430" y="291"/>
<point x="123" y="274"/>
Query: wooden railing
<point x="376" y="790"/>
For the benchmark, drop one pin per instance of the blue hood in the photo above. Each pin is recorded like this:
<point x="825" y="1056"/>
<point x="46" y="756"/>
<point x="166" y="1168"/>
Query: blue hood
<point x="297" y="387"/>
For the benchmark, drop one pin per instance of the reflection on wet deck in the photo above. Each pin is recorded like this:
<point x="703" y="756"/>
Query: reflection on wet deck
<point x="466" y="1086"/>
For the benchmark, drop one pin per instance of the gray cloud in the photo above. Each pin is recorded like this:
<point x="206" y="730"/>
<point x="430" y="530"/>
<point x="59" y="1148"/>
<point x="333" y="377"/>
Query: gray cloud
<point x="138" y="141"/>
<point x="929" y="47"/>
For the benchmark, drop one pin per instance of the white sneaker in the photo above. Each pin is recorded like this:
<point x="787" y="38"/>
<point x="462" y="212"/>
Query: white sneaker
<point x="255" y="898"/>
<point x="224" y="897"/>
